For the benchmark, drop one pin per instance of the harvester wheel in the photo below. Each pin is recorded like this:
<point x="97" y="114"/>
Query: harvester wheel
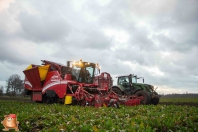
<point x="146" y="99"/>
<point x="118" y="91"/>
<point x="114" y="104"/>
<point x="46" y="100"/>
<point x="82" y="102"/>
<point x="31" y="97"/>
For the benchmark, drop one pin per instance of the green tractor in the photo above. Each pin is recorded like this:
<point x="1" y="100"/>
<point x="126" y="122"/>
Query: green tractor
<point x="127" y="85"/>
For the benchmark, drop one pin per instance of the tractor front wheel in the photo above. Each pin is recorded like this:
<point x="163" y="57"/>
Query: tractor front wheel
<point x="145" y="97"/>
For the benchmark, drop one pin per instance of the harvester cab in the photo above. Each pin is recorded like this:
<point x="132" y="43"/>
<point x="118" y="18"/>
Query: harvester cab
<point x="84" y="72"/>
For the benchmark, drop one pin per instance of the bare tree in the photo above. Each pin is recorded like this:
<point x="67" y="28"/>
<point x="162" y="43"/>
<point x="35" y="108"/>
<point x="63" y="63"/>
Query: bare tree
<point x="14" y="85"/>
<point x="1" y="90"/>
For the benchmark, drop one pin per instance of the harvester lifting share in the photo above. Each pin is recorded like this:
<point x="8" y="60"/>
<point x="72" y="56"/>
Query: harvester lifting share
<point x="77" y="83"/>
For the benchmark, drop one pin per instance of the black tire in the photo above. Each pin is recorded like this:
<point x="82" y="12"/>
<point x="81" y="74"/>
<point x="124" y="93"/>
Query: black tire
<point x="117" y="90"/>
<point x="146" y="97"/>
<point x="46" y="100"/>
<point x="155" y="101"/>
<point x="83" y="103"/>
<point x="114" y="104"/>
<point x="31" y="97"/>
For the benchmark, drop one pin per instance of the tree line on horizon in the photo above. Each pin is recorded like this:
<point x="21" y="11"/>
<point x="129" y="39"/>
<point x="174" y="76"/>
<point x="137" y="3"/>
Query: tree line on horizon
<point x="14" y="86"/>
<point x="183" y="95"/>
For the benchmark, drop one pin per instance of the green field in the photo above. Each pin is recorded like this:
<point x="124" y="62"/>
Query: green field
<point x="56" y="117"/>
<point x="179" y="99"/>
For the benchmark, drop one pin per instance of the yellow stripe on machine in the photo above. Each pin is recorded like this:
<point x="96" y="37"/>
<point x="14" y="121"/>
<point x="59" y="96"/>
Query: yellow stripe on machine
<point x="29" y="67"/>
<point x="68" y="99"/>
<point x="43" y="71"/>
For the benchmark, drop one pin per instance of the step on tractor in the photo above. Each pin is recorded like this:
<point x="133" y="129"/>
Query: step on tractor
<point x="127" y="85"/>
<point x="77" y="83"/>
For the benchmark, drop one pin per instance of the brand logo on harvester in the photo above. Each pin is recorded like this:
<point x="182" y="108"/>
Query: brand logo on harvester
<point x="55" y="78"/>
<point x="10" y="122"/>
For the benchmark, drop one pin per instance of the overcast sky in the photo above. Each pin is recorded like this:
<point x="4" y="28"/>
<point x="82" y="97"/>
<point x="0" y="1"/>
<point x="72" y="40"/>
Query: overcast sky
<point x="157" y="40"/>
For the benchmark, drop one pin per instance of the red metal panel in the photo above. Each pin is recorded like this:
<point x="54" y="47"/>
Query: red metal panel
<point x="68" y="77"/>
<point x="52" y="76"/>
<point x="132" y="102"/>
<point x="54" y="82"/>
<point x="61" y="90"/>
<point x="98" y="101"/>
<point x="104" y="80"/>
<point x="27" y="84"/>
<point x="37" y="96"/>
<point x="33" y="77"/>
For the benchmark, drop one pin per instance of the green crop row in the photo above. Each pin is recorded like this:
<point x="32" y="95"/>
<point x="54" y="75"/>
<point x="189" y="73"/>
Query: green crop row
<point x="179" y="99"/>
<point x="57" y="117"/>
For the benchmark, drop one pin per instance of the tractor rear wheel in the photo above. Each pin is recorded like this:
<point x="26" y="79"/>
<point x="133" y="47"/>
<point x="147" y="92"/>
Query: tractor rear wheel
<point x="146" y="99"/>
<point x="155" y="101"/>
<point x="118" y="91"/>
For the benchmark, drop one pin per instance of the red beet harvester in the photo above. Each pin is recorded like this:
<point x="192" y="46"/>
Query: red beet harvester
<point x="78" y="83"/>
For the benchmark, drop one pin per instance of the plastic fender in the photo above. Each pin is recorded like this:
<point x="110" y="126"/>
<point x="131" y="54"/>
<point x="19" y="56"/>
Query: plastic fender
<point x="119" y="87"/>
<point x="139" y="89"/>
<point x="59" y="89"/>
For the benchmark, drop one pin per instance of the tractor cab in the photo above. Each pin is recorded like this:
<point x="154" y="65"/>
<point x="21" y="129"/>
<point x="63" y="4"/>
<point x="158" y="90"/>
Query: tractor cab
<point x="127" y="80"/>
<point x="84" y="72"/>
<point x="128" y="83"/>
